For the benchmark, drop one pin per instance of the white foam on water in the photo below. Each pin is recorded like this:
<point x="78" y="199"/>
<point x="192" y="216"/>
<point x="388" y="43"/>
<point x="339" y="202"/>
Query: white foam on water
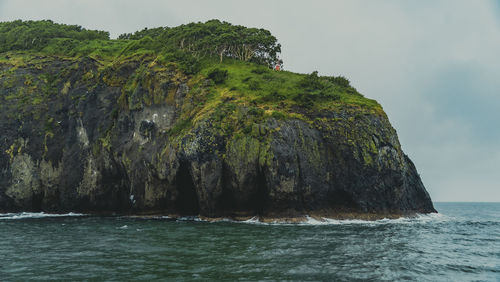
<point x="189" y="218"/>
<point x="24" y="215"/>
<point x="417" y="219"/>
<point x="252" y="220"/>
<point x="311" y="221"/>
<point x="308" y="220"/>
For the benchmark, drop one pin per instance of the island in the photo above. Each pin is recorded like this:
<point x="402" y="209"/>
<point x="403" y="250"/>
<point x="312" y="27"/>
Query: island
<point x="198" y="119"/>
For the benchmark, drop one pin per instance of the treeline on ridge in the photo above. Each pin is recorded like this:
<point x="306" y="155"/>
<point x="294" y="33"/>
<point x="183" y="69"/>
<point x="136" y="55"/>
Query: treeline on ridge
<point x="216" y="38"/>
<point x="191" y="47"/>
<point x="210" y="39"/>
<point x="36" y="35"/>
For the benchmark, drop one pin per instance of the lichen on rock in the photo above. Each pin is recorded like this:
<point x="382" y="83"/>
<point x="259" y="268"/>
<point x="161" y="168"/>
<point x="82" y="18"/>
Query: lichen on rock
<point x="138" y="135"/>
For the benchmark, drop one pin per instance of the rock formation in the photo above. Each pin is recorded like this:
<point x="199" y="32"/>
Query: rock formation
<point x="137" y="136"/>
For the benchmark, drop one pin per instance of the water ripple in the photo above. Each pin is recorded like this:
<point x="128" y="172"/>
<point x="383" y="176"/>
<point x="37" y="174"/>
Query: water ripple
<point x="461" y="243"/>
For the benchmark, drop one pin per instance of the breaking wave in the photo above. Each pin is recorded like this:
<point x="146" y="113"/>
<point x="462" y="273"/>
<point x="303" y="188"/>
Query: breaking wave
<point x="417" y="219"/>
<point x="25" y="215"/>
<point x="308" y="220"/>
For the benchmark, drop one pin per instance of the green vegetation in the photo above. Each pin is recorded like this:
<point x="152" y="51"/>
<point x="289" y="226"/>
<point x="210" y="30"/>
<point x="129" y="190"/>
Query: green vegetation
<point x="36" y="35"/>
<point x="218" y="76"/>
<point x="261" y="87"/>
<point x="226" y="68"/>
<point x="187" y="44"/>
<point x="216" y="38"/>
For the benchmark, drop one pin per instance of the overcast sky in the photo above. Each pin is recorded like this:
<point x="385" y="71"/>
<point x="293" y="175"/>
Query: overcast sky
<point x="433" y="65"/>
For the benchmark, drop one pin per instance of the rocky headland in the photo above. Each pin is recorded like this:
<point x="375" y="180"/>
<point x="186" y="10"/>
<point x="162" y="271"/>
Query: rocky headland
<point x="136" y="132"/>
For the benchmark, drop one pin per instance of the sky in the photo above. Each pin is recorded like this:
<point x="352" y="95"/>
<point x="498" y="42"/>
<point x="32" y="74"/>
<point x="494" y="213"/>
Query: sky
<point x="434" y="66"/>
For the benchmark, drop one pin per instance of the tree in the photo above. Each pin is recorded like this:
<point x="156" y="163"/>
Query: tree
<point x="35" y="35"/>
<point x="209" y="39"/>
<point x="216" y="38"/>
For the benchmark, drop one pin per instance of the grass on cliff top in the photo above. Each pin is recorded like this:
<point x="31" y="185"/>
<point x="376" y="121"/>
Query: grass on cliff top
<point x="281" y="94"/>
<point x="191" y="48"/>
<point x="282" y="91"/>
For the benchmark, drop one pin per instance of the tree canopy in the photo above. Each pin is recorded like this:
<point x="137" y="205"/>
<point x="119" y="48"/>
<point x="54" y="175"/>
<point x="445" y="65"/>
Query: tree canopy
<point x="216" y="38"/>
<point x="189" y="42"/>
<point x="35" y="35"/>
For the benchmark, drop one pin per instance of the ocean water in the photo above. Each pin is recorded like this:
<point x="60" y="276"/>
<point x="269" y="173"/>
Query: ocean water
<point x="461" y="243"/>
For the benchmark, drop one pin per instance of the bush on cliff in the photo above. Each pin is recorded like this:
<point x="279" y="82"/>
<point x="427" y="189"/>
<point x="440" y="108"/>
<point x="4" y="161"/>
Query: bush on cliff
<point x="216" y="39"/>
<point x="36" y="35"/>
<point x="339" y="80"/>
<point x="193" y="51"/>
<point x="218" y="76"/>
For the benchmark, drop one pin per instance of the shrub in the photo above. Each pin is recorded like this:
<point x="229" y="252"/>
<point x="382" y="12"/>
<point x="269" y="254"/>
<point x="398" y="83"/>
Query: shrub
<point x="311" y="82"/>
<point x="339" y="80"/>
<point x="218" y="76"/>
<point x="306" y="100"/>
<point x="145" y="43"/>
<point x="255" y="111"/>
<point x="278" y="115"/>
<point x="186" y="62"/>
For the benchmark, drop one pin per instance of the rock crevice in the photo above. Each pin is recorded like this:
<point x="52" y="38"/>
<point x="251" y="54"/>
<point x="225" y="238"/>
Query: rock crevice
<point x="92" y="148"/>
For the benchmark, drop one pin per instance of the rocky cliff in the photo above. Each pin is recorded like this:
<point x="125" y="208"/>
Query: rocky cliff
<point x="137" y="135"/>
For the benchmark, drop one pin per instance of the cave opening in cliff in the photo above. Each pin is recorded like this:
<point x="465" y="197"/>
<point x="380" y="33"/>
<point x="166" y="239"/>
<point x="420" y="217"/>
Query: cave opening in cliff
<point x="260" y="198"/>
<point x="37" y="202"/>
<point x="187" y="199"/>
<point x="253" y="203"/>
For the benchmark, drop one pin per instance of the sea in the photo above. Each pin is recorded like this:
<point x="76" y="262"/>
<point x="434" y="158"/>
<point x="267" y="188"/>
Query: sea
<point x="460" y="243"/>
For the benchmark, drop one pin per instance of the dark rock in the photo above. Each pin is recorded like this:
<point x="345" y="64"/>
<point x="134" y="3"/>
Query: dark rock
<point x="89" y="150"/>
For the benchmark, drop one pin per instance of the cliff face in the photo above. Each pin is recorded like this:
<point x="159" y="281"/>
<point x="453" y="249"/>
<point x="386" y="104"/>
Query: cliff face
<point x="142" y="137"/>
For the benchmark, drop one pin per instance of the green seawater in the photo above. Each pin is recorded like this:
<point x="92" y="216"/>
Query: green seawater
<point x="461" y="243"/>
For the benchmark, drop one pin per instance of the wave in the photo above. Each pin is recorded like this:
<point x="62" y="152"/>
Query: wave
<point x="26" y="215"/>
<point x="308" y="220"/>
<point x="311" y="221"/>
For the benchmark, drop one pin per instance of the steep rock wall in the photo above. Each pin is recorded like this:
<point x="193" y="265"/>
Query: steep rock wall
<point x="89" y="145"/>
